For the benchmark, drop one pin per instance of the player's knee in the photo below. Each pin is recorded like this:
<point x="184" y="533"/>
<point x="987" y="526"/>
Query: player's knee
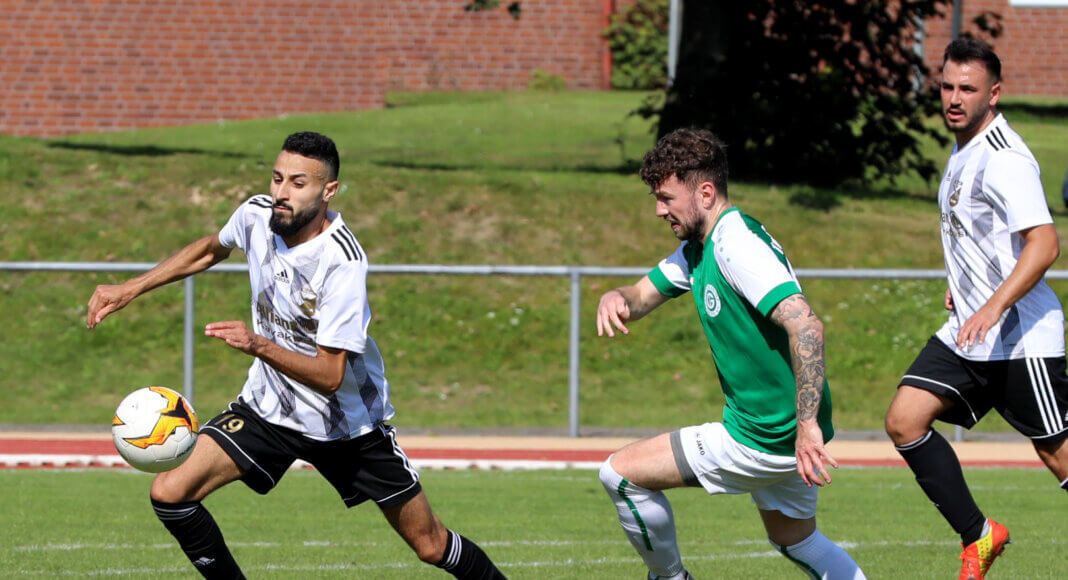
<point x="165" y="489"/>
<point x="785" y="531"/>
<point x="890" y="423"/>
<point x="901" y="428"/>
<point x="610" y="479"/>
<point x="1055" y="456"/>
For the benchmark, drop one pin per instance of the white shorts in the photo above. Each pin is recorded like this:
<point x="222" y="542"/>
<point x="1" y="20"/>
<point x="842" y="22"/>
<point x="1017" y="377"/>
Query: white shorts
<point x="709" y="456"/>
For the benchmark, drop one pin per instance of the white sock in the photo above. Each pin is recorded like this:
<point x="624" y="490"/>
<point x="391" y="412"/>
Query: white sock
<point x="821" y="558"/>
<point x="647" y="520"/>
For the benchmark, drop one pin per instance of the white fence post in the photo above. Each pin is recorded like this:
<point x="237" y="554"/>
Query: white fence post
<point x="573" y="353"/>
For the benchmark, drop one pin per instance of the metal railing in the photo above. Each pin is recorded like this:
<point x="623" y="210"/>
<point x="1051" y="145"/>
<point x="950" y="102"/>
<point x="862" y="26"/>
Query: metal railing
<point x="573" y="273"/>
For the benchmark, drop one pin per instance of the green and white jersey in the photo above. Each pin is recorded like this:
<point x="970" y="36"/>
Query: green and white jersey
<point x="738" y="276"/>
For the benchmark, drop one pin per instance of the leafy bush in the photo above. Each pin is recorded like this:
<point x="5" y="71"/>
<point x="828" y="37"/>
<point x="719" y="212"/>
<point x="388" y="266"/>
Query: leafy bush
<point x="545" y="81"/>
<point x="637" y="37"/>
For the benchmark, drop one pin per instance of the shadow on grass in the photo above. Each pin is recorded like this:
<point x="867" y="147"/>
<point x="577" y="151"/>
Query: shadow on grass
<point x="825" y="199"/>
<point x="140" y="150"/>
<point x="1040" y="110"/>
<point x="625" y="168"/>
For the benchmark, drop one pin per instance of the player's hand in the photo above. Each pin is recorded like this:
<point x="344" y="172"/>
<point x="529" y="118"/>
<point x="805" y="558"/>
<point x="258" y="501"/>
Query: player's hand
<point x="949" y="300"/>
<point x="812" y="456"/>
<point x="975" y="328"/>
<point x="612" y="311"/>
<point x="105" y="300"/>
<point x="236" y="334"/>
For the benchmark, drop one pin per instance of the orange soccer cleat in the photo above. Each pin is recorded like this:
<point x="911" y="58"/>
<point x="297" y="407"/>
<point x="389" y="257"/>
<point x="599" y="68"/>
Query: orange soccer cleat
<point x="978" y="556"/>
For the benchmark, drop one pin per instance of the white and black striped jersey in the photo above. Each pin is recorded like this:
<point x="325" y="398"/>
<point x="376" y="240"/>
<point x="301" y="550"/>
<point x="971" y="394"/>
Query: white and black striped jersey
<point x="991" y="191"/>
<point x="313" y="293"/>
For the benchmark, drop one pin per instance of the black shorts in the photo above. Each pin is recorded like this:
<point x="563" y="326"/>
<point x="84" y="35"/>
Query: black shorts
<point x="1030" y="393"/>
<point x="371" y="466"/>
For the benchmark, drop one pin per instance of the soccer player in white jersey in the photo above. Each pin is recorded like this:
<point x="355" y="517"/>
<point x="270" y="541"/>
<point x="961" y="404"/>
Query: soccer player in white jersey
<point x="1003" y="344"/>
<point x="768" y="350"/>
<point x="316" y="389"/>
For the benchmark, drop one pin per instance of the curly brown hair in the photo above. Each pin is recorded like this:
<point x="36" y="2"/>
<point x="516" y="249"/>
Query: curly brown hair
<point x="691" y="155"/>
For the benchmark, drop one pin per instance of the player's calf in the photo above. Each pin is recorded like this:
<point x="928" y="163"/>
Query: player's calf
<point x="821" y="558"/>
<point x="199" y="537"/>
<point x="464" y="559"/>
<point x="648" y="521"/>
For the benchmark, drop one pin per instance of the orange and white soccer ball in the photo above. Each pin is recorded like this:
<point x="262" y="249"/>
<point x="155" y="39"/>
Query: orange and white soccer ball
<point x="154" y="429"/>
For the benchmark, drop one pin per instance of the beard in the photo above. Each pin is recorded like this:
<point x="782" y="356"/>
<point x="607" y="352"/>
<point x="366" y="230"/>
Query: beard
<point x="692" y="227"/>
<point x="692" y="232"/>
<point x="968" y="124"/>
<point x="287" y="227"/>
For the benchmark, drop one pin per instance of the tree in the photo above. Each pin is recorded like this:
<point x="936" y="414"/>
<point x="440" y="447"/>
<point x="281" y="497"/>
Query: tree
<point x="825" y="93"/>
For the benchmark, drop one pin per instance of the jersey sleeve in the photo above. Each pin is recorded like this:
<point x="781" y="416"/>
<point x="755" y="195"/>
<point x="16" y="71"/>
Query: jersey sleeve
<point x="672" y="275"/>
<point x="756" y="271"/>
<point x="235" y="233"/>
<point x="1016" y="189"/>
<point x="343" y="310"/>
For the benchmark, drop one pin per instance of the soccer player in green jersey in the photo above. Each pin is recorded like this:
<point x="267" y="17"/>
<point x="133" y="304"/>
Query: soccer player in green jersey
<point x="768" y="349"/>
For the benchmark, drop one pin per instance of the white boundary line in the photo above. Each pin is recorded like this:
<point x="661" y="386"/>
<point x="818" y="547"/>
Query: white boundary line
<point x="611" y="560"/>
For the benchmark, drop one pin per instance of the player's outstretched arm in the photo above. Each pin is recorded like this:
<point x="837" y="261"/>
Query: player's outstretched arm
<point x="1041" y="249"/>
<point x="626" y="304"/>
<point x="805" y="332"/>
<point x="323" y="372"/>
<point x="196" y="257"/>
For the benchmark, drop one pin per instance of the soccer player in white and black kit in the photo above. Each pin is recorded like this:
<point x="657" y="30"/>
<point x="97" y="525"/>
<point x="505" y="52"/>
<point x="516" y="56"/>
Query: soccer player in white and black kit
<point x="1003" y="345"/>
<point x="316" y="389"/>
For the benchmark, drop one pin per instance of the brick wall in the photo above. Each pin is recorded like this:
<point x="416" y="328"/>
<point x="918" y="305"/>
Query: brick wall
<point x="96" y="65"/>
<point x="1033" y="48"/>
<point x="436" y="45"/>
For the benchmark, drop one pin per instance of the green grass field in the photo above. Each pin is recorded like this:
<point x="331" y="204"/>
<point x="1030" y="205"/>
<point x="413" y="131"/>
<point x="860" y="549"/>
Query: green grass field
<point x="485" y="178"/>
<point x="535" y="524"/>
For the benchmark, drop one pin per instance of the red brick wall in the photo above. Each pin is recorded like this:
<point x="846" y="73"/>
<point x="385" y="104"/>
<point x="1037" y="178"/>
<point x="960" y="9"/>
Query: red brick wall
<point x="1033" y="47"/>
<point x="96" y="65"/>
<point x="436" y="45"/>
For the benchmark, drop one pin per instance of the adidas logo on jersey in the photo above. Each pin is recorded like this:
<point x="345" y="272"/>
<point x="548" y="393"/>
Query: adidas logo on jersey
<point x="282" y="276"/>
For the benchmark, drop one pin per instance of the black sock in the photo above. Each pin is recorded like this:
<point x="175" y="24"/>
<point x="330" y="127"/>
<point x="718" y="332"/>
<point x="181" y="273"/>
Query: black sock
<point x="200" y="538"/>
<point x="939" y="474"/>
<point x="464" y="559"/>
<point x="1064" y="485"/>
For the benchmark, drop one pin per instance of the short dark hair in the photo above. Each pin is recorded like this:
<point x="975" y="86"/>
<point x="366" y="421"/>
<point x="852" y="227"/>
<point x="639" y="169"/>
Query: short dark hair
<point x="315" y="146"/>
<point x="963" y="50"/>
<point x="691" y="155"/>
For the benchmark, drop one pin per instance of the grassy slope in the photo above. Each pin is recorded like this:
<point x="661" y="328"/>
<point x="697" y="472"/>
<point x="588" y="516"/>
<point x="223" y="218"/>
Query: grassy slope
<point x="513" y="178"/>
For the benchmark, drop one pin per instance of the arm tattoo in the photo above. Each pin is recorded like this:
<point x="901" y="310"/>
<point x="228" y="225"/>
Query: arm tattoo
<point x="806" y="352"/>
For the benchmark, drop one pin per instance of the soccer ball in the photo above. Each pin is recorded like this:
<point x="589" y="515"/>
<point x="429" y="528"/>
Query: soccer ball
<point x="154" y="429"/>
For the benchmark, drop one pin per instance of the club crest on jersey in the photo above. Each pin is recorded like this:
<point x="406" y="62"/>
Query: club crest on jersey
<point x="955" y="196"/>
<point x="309" y="301"/>
<point x="712" y="302"/>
